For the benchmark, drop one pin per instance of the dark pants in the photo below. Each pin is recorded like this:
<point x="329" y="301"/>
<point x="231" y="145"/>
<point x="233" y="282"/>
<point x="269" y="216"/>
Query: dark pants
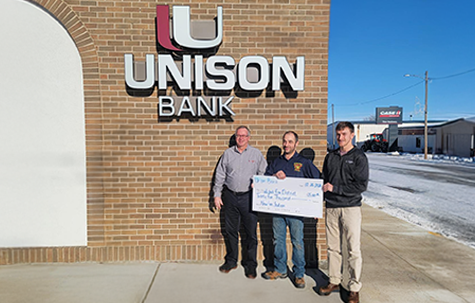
<point x="237" y="210"/>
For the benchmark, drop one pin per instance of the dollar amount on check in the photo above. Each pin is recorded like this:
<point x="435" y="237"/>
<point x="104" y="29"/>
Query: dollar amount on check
<point x="290" y="196"/>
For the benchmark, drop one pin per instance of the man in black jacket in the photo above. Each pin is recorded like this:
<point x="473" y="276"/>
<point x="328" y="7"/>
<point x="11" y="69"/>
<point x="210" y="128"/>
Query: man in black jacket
<point x="345" y="177"/>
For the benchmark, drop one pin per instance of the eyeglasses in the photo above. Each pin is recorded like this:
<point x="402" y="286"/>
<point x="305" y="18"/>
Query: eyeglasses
<point x="241" y="136"/>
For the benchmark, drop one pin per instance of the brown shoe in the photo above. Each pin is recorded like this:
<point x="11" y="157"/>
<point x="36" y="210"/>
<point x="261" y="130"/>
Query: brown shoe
<point x="326" y="290"/>
<point x="353" y="297"/>
<point x="226" y="267"/>
<point x="273" y="275"/>
<point x="299" y="282"/>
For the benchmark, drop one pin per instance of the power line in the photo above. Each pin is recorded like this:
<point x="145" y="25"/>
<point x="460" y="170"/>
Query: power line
<point x="409" y="87"/>
<point x="387" y="96"/>
<point x="455" y="75"/>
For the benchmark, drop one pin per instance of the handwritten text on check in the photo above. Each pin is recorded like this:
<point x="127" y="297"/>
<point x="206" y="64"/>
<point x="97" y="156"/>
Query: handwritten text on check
<point x="291" y="196"/>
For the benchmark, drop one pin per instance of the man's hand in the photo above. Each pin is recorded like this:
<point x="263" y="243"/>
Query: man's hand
<point x="218" y="202"/>
<point x="280" y="174"/>
<point x="327" y="187"/>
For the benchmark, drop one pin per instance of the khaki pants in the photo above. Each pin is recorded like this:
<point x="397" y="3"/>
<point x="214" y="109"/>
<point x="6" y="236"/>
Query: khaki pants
<point x="344" y="224"/>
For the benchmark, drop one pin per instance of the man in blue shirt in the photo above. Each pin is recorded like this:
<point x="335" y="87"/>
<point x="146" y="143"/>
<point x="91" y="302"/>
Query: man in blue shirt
<point x="289" y="164"/>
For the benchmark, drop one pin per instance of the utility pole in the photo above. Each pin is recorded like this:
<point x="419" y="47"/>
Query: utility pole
<point x="425" y="115"/>
<point x="426" y="79"/>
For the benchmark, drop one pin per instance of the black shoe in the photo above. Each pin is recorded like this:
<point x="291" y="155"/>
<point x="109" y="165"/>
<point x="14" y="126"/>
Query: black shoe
<point x="226" y="267"/>
<point x="251" y="272"/>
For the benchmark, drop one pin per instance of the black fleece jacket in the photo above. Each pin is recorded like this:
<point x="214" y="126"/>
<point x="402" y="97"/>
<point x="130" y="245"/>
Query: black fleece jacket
<point x="349" y="175"/>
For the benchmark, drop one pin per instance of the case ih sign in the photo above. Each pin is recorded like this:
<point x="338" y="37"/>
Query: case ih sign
<point x="189" y="65"/>
<point x="389" y="115"/>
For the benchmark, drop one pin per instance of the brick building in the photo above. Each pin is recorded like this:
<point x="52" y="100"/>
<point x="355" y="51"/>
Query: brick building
<point x="120" y="178"/>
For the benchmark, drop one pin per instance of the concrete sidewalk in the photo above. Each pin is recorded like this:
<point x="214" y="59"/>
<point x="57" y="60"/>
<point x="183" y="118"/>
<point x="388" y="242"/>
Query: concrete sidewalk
<point x="402" y="263"/>
<point x="405" y="263"/>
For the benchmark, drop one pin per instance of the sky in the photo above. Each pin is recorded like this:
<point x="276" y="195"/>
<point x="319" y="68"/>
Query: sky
<point x="374" y="43"/>
<point x="421" y="200"/>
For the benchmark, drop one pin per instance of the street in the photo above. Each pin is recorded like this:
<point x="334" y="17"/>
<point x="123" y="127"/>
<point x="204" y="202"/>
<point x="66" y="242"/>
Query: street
<point x="434" y="195"/>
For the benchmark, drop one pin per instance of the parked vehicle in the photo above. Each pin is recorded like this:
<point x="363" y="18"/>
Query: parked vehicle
<point x="375" y="143"/>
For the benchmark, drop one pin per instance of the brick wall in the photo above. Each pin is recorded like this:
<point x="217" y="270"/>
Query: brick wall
<point x="149" y="181"/>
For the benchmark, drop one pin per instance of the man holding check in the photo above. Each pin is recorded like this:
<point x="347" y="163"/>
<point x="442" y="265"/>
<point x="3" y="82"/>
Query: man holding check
<point x="289" y="164"/>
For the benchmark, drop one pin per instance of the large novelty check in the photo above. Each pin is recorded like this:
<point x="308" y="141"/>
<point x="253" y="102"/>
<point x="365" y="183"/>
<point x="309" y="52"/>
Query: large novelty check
<point x="290" y="196"/>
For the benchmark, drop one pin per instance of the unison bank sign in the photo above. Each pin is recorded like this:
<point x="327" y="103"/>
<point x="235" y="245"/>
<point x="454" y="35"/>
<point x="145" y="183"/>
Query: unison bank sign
<point x="205" y="81"/>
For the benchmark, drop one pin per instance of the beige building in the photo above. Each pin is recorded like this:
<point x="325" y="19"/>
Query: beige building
<point x="456" y="138"/>
<point x="112" y="124"/>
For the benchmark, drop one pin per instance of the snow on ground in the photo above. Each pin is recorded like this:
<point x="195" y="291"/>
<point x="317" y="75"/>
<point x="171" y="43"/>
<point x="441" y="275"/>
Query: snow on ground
<point x="437" y="194"/>
<point x="435" y="158"/>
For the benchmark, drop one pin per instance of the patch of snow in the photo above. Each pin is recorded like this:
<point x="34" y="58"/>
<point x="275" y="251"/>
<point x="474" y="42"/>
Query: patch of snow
<point x="435" y="158"/>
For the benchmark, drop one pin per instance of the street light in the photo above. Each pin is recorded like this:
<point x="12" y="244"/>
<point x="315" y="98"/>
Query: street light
<point x="426" y="79"/>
